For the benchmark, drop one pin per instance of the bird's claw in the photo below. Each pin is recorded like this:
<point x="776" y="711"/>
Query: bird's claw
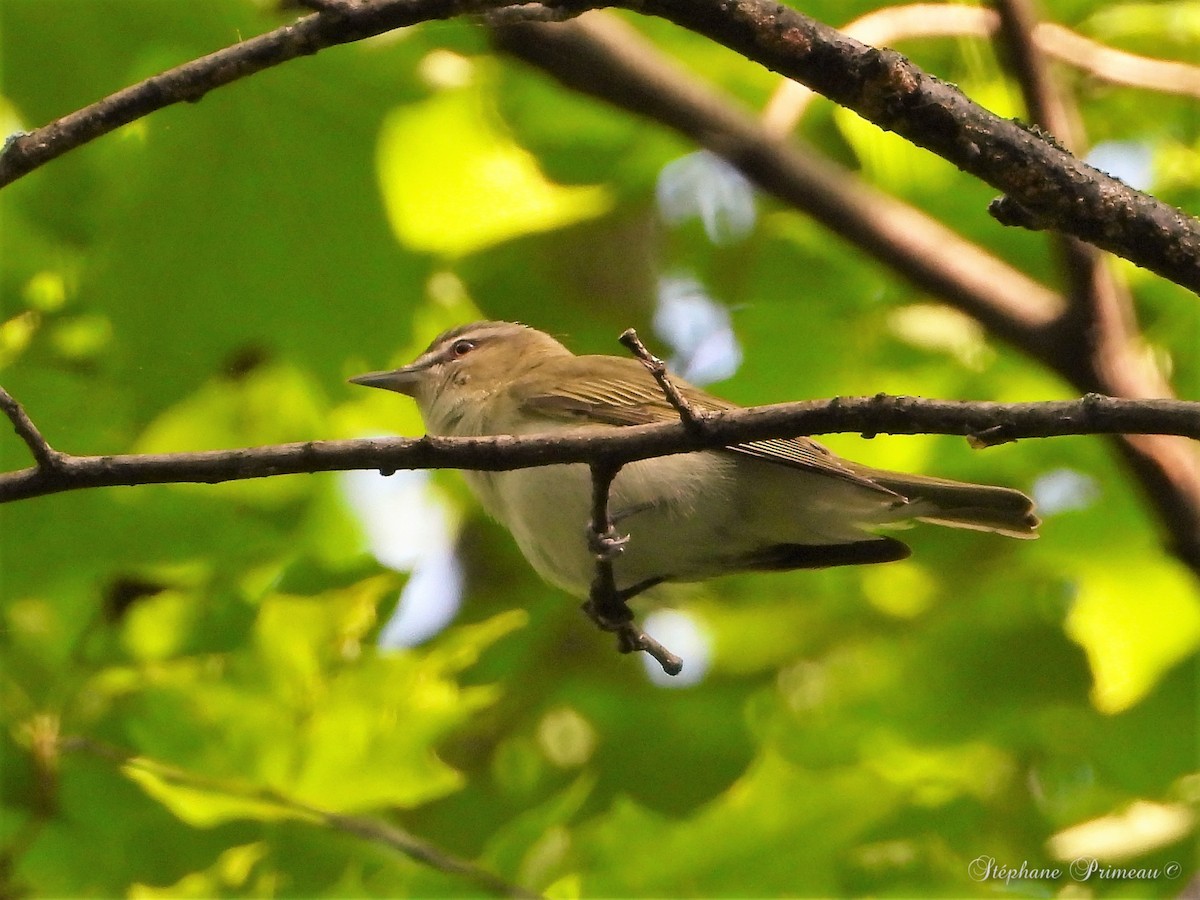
<point x="607" y="545"/>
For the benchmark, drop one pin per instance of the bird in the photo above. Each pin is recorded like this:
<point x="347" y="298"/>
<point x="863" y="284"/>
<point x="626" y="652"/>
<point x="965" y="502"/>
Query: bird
<point x="767" y="505"/>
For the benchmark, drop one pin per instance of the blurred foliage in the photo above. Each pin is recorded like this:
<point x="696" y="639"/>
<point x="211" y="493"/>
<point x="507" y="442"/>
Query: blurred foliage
<point x="208" y="276"/>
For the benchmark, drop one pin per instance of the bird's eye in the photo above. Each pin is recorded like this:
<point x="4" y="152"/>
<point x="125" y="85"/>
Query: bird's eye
<point x="462" y="348"/>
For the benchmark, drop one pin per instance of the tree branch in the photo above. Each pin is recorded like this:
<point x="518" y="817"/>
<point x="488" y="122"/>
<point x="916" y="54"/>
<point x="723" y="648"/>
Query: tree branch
<point x="603" y="57"/>
<point x="373" y="830"/>
<point x="1099" y="345"/>
<point x="606" y="605"/>
<point x="1043" y="101"/>
<point x="44" y="455"/>
<point x="693" y="420"/>
<point x="189" y="82"/>
<point x="988" y="423"/>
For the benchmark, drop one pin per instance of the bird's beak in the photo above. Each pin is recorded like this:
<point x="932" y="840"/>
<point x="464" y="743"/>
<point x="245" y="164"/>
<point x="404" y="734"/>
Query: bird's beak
<point x="403" y="380"/>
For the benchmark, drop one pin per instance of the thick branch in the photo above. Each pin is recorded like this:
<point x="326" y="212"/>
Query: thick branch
<point x="992" y="422"/>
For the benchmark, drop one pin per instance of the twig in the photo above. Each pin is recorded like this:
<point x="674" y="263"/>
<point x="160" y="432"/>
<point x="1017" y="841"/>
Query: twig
<point x="606" y="605"/>
<point x="687" y="413"/>
<point x="368" y="829"/>
<point x="1118" y="67"/>
<point x="1091" y="286"/>
<point x="47" y="458"/>
<point x="1044" y="102"/>
<point x="631" y="639"/>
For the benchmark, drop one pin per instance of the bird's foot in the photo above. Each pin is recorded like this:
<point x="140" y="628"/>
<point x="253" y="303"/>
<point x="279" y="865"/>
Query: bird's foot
<point x="607" y="545"/>
<point x="606" y="607"/>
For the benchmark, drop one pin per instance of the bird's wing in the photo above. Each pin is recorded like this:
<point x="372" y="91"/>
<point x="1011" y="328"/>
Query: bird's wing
<point x="585" y="391"/>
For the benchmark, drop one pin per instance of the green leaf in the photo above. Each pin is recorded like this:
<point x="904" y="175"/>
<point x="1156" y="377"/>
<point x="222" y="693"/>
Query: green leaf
<point x="1132" y="642"/>
<point x="498" y="192"/>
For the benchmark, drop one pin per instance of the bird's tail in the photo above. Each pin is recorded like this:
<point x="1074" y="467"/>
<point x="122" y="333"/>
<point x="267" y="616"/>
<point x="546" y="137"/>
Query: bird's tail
<point x="982" y="507"/>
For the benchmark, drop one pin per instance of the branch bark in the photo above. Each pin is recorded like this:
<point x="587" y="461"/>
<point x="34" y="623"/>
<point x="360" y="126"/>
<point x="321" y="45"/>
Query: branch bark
<point x="692" y="419"/>
<point x="606" y="606"/>
<point x="985" y="423"/>
<point x="44" y="455"/>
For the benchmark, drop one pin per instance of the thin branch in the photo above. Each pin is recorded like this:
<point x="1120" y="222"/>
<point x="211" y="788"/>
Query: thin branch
<point x="1102" y="314"/>
<point x="631" y="639"/>
<point x="1092" y="289"/>
<point x="189" y="82"/>
<point x="606" y="605"/>
<point x="881" y="414"/>
<point x="657" y="368"/>
<point x="372" y="830"/>
<point x="46" y="456"/>
<point x="1118" y="67"/>
<point x="1043" y="100"/>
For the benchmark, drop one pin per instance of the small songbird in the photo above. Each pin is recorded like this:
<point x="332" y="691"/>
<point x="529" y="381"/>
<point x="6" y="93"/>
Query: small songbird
<point x="762" y="505"/>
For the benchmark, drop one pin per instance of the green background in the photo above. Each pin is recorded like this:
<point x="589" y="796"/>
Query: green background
<point x="210" y="275"/>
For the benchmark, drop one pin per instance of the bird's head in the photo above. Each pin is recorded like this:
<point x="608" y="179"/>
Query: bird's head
<point x="464" y="366"/>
